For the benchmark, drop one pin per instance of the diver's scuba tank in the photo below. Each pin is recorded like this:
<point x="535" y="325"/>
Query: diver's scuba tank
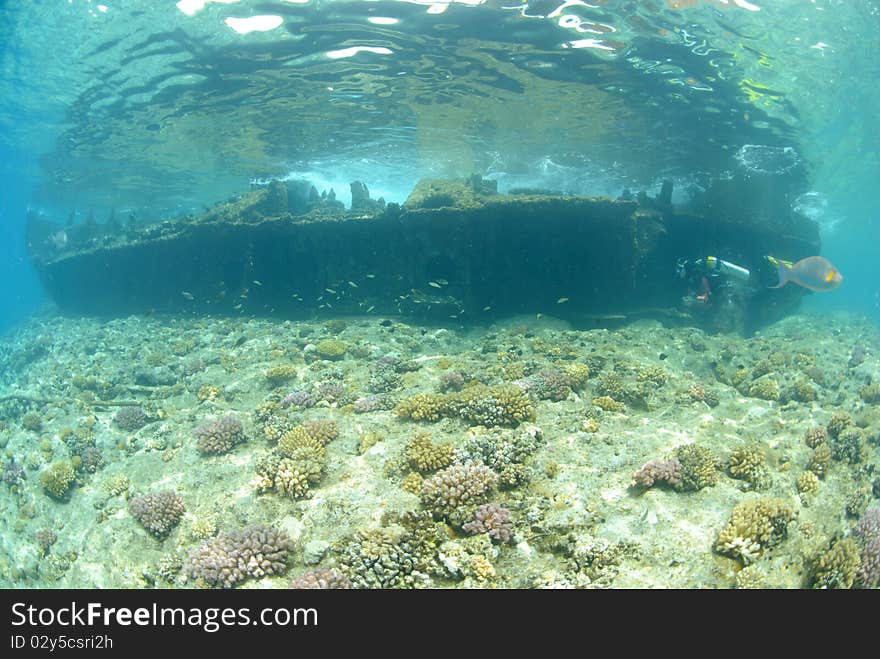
<point x="715" y="265"/>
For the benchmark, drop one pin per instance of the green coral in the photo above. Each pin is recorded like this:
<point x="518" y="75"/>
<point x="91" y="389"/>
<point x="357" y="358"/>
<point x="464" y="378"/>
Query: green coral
<point x="697" y="467"/>
<point x="870" y="393"/>
<point x="608" y="404"/>
<point x="765" y="388"/>
<point x="331" y="348"/>
<point x="849" y="445"/>
<point x="32" y="421"/>
<point x="807" y="482"/>
<point x="58" y="479"/>
<point x="754" y="526"/>
<point x="577" y="375"/>
<point x="803" y="392"/>
<point x="278" y="375"/>
<point x="820" y="461"/>
<point x="837" y="567"/>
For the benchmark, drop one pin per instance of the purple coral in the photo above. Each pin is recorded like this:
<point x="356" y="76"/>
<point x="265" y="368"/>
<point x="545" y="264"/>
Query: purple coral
<point x="384" y="376"/>
<point x="130" y="418"/>
<point x="13" y="474"/>
<point x="219" y="436"/>
<point x="869" y="571"/>
<point x="553" y="384"/>
<point x="868" y="532"/>
<point x="659" y="471"/>
<point x="299" y="398"/>
<point x="224" y="561"/>
<point x="491" y="518"/>
<point x="451" y="381"/>
<point x="158" y="512"/>
<point x="455" y="487"/>
<point x="321" y="578"/>
<point x="45" y="538"/>
<point x="92" y="459"/>
<point x="373" y="403"/>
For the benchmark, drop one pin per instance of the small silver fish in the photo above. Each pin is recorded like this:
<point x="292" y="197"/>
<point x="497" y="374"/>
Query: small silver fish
<point x="187" y="295"/>
<point x="562" y="300"/>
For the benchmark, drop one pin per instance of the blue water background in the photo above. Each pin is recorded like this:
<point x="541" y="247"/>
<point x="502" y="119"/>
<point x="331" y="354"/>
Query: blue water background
<point x="851" y="190"/>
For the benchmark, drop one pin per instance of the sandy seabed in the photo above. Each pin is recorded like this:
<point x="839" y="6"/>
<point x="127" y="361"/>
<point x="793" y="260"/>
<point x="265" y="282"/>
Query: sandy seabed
<point x="94" y="414"/>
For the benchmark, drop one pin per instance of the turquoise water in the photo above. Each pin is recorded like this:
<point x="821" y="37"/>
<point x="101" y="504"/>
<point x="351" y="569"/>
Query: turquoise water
<point x="156" y="111"/>
<point x="161" y="111"/>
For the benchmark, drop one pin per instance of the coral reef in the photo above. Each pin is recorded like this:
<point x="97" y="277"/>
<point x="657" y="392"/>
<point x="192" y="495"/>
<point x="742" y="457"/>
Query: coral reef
<point x="453" y="493"/>
<point x="659" y="471"/>
<point x="425" y="456"/>
<point x="754" y="526"/>
<point x="219" y="436"/>
<point x="321" y="578"/>
<point x="331" y="348"/>
<point x="58" y="480"/>
<point x="697" y="467"/>
<point x="157" y="512"/>
<point x="749" y="464"/>
<point x="492" y="519"/>
<point x="868" y="534"/>
<point x="130" y="418"/>
<point x="837" y="567"/>
<point x="235" y="556"/>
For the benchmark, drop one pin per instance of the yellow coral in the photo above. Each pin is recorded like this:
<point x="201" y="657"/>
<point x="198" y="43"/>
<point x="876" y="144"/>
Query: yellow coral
<point x="748" y="464"/>
<point x="297" y="438"/>
<point x="837" y="567"/>
<point x="57" y="480"/>
<point x="280" y="374"/>
<point x="421" y="407"/>
<point x="208" y="392"/>
<point x="808" y="483"/>
<point x="578" y="374"/>
<point x="412" y="482"/>
<point x="765" y="388"/>
<point x="425" y="456"/>
<point x="290" y="480"/>
<point x="331" y="348"/>
<point x="608" y="404"/>
<point x="754" y="525"/>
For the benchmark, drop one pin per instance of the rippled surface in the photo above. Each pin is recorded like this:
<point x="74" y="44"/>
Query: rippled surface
<point x="162" y="108"/>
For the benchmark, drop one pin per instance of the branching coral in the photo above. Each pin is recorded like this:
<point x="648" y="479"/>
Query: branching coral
<point x="157" y="512"/>
<point x="232" y="557"/>
<point x="454" y="492"/>
<point x="219" y="436"/>
<point x="754" y="526"/>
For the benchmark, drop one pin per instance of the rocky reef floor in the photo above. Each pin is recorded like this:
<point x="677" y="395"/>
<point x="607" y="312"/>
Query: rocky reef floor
<point x="523" y="454"/>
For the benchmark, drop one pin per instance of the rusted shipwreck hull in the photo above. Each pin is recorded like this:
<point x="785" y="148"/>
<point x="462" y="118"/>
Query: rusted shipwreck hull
<point x="455" y="249"/>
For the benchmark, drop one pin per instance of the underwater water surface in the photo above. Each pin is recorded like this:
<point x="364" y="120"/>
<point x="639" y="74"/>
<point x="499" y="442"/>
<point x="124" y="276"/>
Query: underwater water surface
<point x="602" y="409"/>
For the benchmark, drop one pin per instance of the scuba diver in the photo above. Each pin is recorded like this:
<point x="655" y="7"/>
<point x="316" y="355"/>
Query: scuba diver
<point x="721" y="290"/>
